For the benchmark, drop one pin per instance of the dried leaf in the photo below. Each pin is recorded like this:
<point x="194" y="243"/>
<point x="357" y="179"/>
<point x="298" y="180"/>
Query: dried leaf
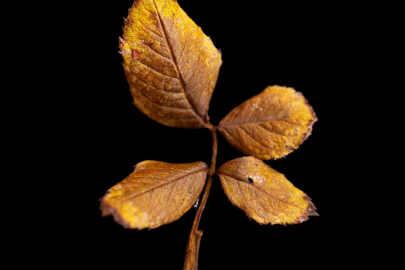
<point x="271" y="124"/>
<point x="156" y="193"/>
<point x="170" y="64"/>
<point x="263" y="193"/>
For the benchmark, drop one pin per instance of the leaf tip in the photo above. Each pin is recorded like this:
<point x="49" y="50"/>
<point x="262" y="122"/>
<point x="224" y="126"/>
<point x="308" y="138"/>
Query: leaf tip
<point x="311" y="122"/>
<point x="108" y="210"/>
<point x="309" y="211"/>
<point x="311" y="110"/>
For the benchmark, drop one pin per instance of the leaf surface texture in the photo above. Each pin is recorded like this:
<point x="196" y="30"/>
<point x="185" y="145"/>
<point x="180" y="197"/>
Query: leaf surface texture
<point x="269" y="125"/>
<point x="170" y="64"/>
<point x="156" y="193"/>
<point x="264" y="194"/>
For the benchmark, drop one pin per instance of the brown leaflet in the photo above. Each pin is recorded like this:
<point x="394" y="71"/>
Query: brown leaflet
<point x="170" y="64"/>
<point x="156" y="193"/>
<point x="263" y="193"/>
<point x="271" y="124"/>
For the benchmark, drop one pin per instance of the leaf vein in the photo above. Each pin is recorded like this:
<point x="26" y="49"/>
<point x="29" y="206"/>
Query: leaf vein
<point x="263" y="191"/>
<point x="274" y="132"/>
<point x="147" y="9"/>
<point x="157" y="53"/>
<point x="260" y="204"/>
<point x="147" y="28"/>
<point x="158" y="186"/>
<point x="233" y="138"/>
<point x="255" y="122"/>
<point x="246" y="202"/>
<point x="159" y="104"/>
<point x="232" y="195"/>
<point x="158" y="72"/>
<point x="161" y="23"/>
<point x="250" y="136"/>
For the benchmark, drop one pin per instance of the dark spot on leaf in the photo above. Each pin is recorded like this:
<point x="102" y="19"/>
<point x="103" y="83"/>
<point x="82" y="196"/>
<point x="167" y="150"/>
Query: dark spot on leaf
<point x="250" y="180"/>
<point x="136" y="54"/>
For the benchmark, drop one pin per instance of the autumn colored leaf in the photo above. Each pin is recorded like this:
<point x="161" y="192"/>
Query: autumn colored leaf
<point x="264" y="194"/>
<point x="156" y="193"/>
<point x="170" y="64"/>
<point x="172" y="68"/>
<point x="271" y="124"/>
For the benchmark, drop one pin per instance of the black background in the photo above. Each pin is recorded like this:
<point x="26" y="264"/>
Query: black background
<point x="301" y="46"/>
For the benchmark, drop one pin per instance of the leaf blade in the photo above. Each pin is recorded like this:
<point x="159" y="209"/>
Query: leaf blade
<point x="269" y="125"/>
<point x="170" y="64"/>
<point x="155" y="194"/>
<point x="264" y="194"/>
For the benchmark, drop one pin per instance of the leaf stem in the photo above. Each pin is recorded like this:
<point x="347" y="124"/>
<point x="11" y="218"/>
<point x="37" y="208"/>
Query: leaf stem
<point x="193" y="246"/>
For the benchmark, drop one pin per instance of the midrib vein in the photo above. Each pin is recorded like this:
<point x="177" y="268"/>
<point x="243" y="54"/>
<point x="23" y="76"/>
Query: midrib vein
<point x="158" y="186"/>
<point x="166" y="38"/>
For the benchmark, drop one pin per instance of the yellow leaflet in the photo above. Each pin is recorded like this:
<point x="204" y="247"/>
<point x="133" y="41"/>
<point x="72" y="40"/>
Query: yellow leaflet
<point x="170" y="64"/>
